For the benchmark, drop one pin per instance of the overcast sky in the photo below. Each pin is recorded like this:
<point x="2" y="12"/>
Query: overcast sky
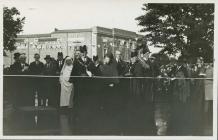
<point x="42" y="16"/>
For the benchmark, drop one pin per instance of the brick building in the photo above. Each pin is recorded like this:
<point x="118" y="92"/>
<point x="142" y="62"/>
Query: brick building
<point x="99" y="41"/>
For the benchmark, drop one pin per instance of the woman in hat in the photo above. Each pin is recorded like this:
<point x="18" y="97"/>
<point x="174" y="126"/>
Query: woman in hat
<point x="136" y="70"/>
<point x="108" y="94"/>
<point x="109" y="70"/>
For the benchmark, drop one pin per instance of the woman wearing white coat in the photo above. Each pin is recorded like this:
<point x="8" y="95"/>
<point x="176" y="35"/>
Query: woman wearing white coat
<point x="67" y="89"/>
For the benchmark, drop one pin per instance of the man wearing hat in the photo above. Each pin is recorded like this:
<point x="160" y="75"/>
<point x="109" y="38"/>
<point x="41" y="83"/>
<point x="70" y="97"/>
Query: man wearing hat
<point x="83" y="63"/>
<point x="60" y="62"/>
<point x="23" y="82"/>
<point x="15" y="67"/>
<point x="49" y="66"/>
<point x="19" y="87"/>
<point x="82" y="66"/>
<point x="136" y="88"/>
<point x="49" y="82"/>
<point x="143" y="57"/>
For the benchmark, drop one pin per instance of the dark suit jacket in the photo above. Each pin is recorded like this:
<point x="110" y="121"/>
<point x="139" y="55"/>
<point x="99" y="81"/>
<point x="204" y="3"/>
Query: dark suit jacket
<point x="51" y="70"/>
<point x="16" y="69"/>
<point x="137" y="69"/>
<point x="79" y="68"/>
<point x="108" y="70"/>
<point x="36" y="69"/>
<point x="121" y="66"/>
<point x="59" y="67"/>
<point x="97" y="69"/>
<point x="154" y="69"/>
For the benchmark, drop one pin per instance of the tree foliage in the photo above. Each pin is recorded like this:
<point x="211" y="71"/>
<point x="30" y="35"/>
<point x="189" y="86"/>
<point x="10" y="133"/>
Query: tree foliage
<point x="185" y="28"/>
<point x="12" y="25"/>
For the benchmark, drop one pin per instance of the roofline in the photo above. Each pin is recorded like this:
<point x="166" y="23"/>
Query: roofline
<point x="72" y="30"/>
<point x="95" y="29"/>
<point x="34" y="35"/>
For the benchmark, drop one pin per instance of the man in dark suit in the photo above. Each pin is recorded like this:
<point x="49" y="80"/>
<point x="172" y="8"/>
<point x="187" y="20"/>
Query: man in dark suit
<point x="60" y="62"/>
<point x="36" y="68"/>
<point x="15" y="67"/>
<point x="14" y="70"/>
<point x="50" y="69"/>
<point x="20" y="67"/>
<point x="122" y="69"/>
<point x="82" y="64"/>
<point x="120" y="64"/>
<point x="23" y="82"/>
<point x="97" y="66"/>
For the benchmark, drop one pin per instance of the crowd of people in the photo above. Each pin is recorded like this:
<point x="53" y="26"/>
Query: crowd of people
<point x="60" y="82"/>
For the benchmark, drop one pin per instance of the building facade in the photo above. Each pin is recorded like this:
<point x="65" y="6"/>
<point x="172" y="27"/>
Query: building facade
<point x="98" y="40"/>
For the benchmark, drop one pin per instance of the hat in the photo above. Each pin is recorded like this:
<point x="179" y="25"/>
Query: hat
<point x="16" y="55"/>
<point x="36" y="54"/>
<point x="60" y="54"/>
<point x="47" y="57"/>
<point x="109" y="54"/>
<point x="95" y="58"/>
<point x="146" y="50"/>
<point x="83" y="49"/>
<point x="134" y="54"/>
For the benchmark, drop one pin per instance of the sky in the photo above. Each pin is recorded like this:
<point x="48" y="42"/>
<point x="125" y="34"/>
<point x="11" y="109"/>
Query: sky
<point x="42" y="16"/>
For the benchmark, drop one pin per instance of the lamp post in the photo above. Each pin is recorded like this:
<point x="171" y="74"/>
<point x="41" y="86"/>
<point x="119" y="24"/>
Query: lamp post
<point x="67" y="43"/>
<point x="113" y="42"/>
<point x="28" y="50"/>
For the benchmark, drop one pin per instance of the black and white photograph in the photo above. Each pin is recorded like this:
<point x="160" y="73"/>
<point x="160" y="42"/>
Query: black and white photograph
<point x="124" y="68"/>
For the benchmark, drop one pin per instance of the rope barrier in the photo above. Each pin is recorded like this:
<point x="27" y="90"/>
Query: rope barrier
<point x="105" y="77"/>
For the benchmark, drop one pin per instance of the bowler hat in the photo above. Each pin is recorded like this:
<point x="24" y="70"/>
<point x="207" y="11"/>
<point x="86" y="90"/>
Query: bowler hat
<point x="83" y="49"/>
<point x="16" y="55"/>
<point x="95" y="58"/>
<point x="60" y="54"/>
<point x="47" y="57"/>
<point x="109" y="55"/>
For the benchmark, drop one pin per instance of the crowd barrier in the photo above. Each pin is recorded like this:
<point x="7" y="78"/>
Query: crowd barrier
<point x="26" y="88"/>
<point x="129" y="100"/>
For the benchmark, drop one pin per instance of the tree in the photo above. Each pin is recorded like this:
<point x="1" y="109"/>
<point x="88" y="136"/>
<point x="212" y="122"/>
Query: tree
<point x="12" y="25"/>
<point x="185" y="28"/>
